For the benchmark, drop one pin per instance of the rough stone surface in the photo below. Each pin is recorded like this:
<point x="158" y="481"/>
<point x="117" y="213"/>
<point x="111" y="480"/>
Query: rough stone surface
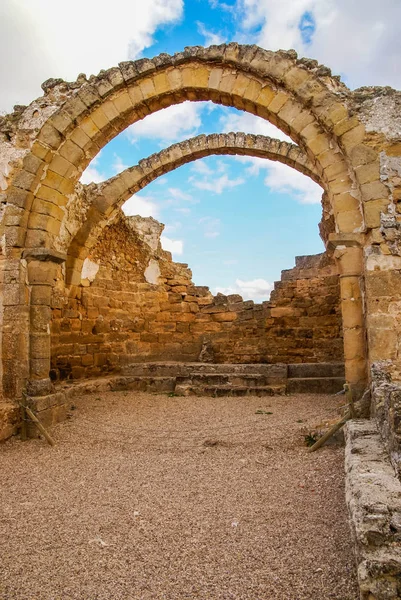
<point x="142" y="306"/>
<point x="373" y="494"/>
<point x="386" y="409"/>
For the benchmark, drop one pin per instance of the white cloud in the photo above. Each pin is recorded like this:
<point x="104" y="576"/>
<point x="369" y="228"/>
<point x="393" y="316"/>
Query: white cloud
<point x="46" y="38"/>
<point x="172" y="227"/>
<point x="278" y="21"/>
<point x="118" y="164"/>
<point x="183" y="210"/>
<point x="145" y="206"/>
<point x="211" y="226"/>
<point x="359" y="39"/>
<point x="249" y="123"/>
<point x="217" y="185"/>
<point x="210" y="37"/>
<point x="169" y="124"/>
<point x="92" y="175"/>
<point x="161" y="180"/>
<point x="176" y="247"/>
<point x="210" y="180"/>
<point x="284" y="179"/>
<point x="256" y="289"/>
<point x="180" y="195"/>
<point x="230" y="261"/>
<point x="201" y="167"/>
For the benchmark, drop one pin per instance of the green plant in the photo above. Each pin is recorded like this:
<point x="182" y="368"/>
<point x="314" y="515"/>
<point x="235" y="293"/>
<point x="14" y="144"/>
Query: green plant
<point x="262" y="412"/>
<point x="311" y="437"/>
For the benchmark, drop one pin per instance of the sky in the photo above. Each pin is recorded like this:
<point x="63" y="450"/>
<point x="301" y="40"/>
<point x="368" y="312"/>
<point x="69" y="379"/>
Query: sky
<point x="237" y="221"/>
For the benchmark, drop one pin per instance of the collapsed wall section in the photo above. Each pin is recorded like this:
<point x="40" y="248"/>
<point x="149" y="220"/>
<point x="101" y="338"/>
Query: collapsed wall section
<point x="135" y="304"/>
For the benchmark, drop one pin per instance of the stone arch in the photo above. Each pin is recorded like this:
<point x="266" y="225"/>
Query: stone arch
<point x="104" y="198"/>
<point x="77" y="120"/>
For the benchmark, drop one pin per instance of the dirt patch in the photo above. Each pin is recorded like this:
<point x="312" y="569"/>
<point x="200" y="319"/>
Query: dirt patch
<point x="157" y="497"/>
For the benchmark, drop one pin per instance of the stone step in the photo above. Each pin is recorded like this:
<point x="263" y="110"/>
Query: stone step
<point x="175" y="369"/>
<point x="143" y="384"/>
<point x="218" y="391"/>
<point x="305" y="370"/>
<point x="315" y="385"/>
<point x="233" y="379"/>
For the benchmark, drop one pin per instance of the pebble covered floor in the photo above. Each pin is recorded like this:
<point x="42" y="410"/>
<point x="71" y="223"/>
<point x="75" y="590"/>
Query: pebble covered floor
<point x="150" y="496"/>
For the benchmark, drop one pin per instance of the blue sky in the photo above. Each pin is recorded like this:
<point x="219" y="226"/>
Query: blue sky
<point x="231" y="219"/>
<point x="236" y="222"/>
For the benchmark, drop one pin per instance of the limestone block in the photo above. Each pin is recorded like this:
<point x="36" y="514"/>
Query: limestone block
<point x="383" y="344"/>
<point x="73" y="153"/>
<point x="352" y="137"/>
<point x="147" y="88"/>
<point x="75" y="107"/>
<point x="368" y="173"/>
<point x="352" y="313"/>
<point x="225" y="317"/>
<point x="373" y="498"/>
<point x="253" y="91"/>
<point x="242" y="82"/>
<point x="122" y="102"/>
<point x="373" y="210"/>
<point x="345" y="125"/>
<point x="354" y="344"/>
<point x="331" y="157"/>
<point x="61" y="166"/>
<point x="278" y="102"/>
<point x="296" y="76"/>
<point x="344" y="201"/>
<point x="300" y="122"/>
<point x="349" y="221"/>
<point x="49" y="136"/>
<point x="89" y="127"/>
<point x="373" y="191"/>
<point x="337" y="169"/>
<point x="40" y="345"/>
<point x="319" y="144"/>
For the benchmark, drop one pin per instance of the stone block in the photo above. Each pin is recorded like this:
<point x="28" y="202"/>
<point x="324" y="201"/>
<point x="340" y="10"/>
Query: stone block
<point x="225" y="316"/>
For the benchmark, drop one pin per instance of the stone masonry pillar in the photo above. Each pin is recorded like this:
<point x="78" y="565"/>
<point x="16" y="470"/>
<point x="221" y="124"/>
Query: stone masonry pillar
<point x="14" y="320"/>
<point x="43" y="269"/>
<point x="349" y="254"/>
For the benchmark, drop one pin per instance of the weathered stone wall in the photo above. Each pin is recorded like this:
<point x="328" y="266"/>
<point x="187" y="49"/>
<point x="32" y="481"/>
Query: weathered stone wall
<point x="373" y="496"/>
<point x="386" y="409"/>
<point x="45" y="147"/>
<point x="135" y="304"/>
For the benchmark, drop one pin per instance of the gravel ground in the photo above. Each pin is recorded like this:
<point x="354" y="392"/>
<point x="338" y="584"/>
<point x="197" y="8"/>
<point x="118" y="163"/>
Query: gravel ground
<point x="147" y="496"/>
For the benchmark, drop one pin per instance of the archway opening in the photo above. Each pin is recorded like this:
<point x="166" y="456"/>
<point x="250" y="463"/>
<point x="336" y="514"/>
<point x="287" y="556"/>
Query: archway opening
<point x="162" y="315"/>
<point x="288" y="92"/>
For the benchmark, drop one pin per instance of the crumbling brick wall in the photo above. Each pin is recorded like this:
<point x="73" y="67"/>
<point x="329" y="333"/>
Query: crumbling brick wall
<point x="135" y="304"/>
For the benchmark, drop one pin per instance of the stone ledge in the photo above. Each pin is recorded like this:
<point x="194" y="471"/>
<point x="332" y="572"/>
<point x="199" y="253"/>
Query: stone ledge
<point x="373" y="495"/>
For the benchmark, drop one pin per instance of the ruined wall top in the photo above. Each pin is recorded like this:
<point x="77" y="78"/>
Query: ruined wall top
<point x="27" y="120"/>
<point x="30" y="118"/>
<point x="379" y="108"/>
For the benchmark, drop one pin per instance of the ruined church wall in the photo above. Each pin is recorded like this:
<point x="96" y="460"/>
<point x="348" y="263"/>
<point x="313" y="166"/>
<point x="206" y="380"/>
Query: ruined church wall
<point x="137" y="305"/>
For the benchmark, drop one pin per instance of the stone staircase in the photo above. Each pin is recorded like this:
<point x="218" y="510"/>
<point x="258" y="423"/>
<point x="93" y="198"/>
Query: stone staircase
<point x="315" y="378"/>
<point x="207" y="379"/>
